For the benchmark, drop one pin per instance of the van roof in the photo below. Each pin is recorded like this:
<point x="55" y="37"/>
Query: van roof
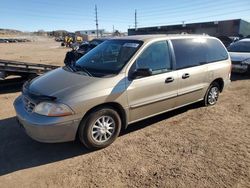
<point x="160" y="36"/>
<point x="245" y="40"/>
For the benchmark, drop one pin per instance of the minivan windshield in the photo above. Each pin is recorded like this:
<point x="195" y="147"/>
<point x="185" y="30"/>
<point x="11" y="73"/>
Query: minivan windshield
<point x="240" y="46"/>
<point x="108" y="58"/>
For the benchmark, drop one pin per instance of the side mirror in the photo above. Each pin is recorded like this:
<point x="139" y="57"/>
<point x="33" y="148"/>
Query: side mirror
<point x="141" y="72"/>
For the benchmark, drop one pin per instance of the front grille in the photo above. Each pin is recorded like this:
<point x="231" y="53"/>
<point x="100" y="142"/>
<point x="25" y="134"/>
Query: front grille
<point x="28" y="104"/>
<point x="236" y="62"/>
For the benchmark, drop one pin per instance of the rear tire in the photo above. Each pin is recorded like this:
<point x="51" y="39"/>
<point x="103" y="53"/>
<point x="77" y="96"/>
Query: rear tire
<point x="212" y="95"/>
<point x="100" y="128"/>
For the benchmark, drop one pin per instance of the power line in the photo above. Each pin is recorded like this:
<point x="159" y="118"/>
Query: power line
<point x="174" y="8"/>
<point x="194" y="7"/>
<point x="169" y="6"/>
<point x="193" y="11"/>
<point x="197" y="18"/>
<point x="221" y="14"/>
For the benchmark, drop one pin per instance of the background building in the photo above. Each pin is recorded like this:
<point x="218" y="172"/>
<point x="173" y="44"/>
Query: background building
<point x="92" y="32"/>
<point x="215" y="28"/>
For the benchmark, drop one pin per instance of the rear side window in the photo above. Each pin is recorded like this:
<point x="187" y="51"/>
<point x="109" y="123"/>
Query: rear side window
<point x="189" y="52"/>
<point x="215" y="51"/>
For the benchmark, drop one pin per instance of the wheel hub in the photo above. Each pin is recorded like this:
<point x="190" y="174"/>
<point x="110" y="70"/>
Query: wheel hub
<point x="103" y="129"/>
<point x="213" y="95"/>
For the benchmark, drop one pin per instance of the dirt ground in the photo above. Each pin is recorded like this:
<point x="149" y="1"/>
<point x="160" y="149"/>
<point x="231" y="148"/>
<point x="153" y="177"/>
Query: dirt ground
<point x="40" y="50"/>
<point x="190" y="147"/>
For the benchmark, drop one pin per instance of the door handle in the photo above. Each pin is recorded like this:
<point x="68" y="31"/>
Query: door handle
<point x="186" y="75"/>
<point x="169" y="79"/>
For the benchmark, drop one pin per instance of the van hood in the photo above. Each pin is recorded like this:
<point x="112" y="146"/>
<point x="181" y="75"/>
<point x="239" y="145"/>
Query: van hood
<point x="60" y="83"/>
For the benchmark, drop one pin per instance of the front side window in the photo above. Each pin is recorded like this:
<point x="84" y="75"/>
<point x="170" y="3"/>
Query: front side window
<point x="109" y="57"/>
<point x="156" y="57"/>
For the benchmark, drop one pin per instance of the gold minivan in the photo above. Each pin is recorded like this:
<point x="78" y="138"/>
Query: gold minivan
<point x="122" y="81"/>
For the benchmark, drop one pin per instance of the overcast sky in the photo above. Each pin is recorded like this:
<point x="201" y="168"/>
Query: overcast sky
<point x="33" y="15"/>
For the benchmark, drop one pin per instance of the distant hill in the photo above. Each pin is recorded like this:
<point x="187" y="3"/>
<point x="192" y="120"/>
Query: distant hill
<point x="58" y="33"/>
<point x="10" y="32"/>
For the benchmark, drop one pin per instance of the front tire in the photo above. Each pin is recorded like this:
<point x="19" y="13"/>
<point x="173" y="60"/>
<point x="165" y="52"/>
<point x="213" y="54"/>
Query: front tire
<point x="212" y="95"/>
<point x="100" y="128"/>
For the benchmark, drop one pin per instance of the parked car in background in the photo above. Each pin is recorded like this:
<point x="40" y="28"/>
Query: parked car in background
<point x="59" y="39"/>
<point x="240" y="56"/>
<point x="3" y="41"/>
<point x="13" y="40"/>
<point x="122" y="81"/>
<point x="225" y="40"/>
<point x="79" y="50"/>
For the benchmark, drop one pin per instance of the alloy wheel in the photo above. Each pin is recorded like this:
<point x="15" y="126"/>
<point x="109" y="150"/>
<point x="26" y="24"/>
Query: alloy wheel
<point x="213" y="95"/>
<point x="103" y="129"/>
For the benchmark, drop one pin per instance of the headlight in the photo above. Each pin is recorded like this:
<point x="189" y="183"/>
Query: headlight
<point x="53" y="109"/>
<point x="246" y="62"/>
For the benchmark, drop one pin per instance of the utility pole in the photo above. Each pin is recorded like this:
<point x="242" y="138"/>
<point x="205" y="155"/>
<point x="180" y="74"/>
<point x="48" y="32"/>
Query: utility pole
<point x="135" y="19"/>
<point x="183" y="24"/>
<point x="113" y="29"/>
<point x="96" y="22"/>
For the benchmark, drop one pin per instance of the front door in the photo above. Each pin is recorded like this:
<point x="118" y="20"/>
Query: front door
<point x="153" y="94"/>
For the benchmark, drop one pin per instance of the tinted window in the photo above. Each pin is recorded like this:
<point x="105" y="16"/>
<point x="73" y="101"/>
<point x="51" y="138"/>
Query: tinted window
<point x="155" y="57"/>
<point x="189" y="52"/>
<point x="240" y="46"/>
<point x="215" y="51"/>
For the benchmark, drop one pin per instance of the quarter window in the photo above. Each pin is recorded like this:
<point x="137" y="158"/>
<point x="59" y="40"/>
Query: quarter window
<point x="156" y="57"/>
<point x="215" y="51"/>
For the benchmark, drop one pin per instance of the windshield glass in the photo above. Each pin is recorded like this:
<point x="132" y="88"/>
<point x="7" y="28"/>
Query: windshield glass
<point x="241" y="46"/>
<point x="108" y="57"/>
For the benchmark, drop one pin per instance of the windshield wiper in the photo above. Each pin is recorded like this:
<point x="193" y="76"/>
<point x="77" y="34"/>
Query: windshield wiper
<point x="70" y="68"/>
<point x="78" y="67"/>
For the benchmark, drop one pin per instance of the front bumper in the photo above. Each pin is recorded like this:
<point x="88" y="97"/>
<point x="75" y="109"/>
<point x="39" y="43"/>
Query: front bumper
<point x="46" y="129"/>
<point x="239" y="68"/>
